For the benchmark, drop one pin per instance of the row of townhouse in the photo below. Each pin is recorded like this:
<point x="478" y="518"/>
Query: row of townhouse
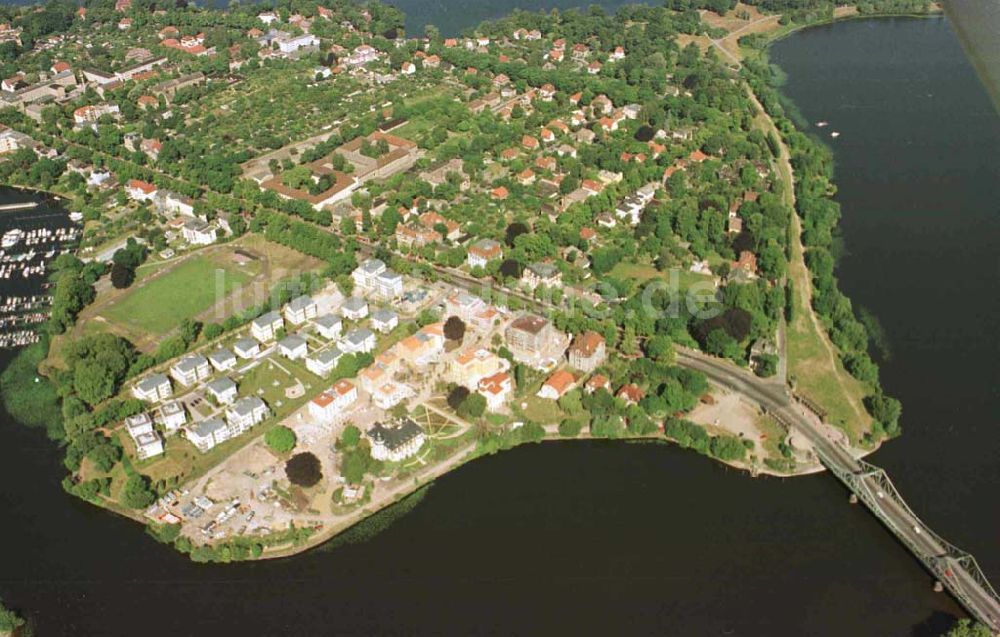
<point x="241" y="416"/>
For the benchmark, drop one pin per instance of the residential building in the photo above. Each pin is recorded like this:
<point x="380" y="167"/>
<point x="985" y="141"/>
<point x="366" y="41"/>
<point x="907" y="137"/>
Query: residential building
<point x="292" y="44"/>
<point x="534" y="341"/>
<point x="265" y="327"/>
<point x="391" y="394"/>
<point x="140" y="190"/>
<point x="293" y="347"/>
<point x="597" y="381"/>
<point x="482" y="252"/>
<point x="354" y="309"/>
<point x="437" y="174"/>
<point x="474" y="364"/>
<point x="153" y="388"/>
<point x="388" y="285"/>
<point x="206" y="434"/>
<point x="423" y="348"/>
<point x="138" y="424"/>
<point x="365" y="274"/>
<point x="147" y="442"/>
<point x="359" y="340"/>
<point x="88" y="115"/>
<point x="324" y="362"/>
<point x="246" y="348"/>
<point x="199" y="233"/>
<point x="223" y="390"/>
<point x="329" y="326"/>
<point x="171" y="416"/>
<point x="631" y="394"/>
<point x="384" y="320"/>
<point x="546" y="274"/>
<point x="178" y="204"/>
<point x="395" y="442"/>
<point x="245" y="413"/>
<point x="222" y="359"/>
<point x="191" y="369"/>
<point x="401" y="155"/>
<point x="496" y="389"/>
<point x="587" y="352"/>
<point x="556" y="386"/>
<point x="301" y="309"/>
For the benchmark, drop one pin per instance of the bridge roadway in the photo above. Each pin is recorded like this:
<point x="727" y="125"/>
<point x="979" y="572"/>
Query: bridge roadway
<point x="956" y="570"/>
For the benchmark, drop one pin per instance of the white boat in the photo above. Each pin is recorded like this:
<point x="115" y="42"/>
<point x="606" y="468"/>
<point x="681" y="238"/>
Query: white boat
<point x="76" y="216"/>
<point x="11" y="238"/>
<point x="835" y="134"/>
<point x="821" y="124"/>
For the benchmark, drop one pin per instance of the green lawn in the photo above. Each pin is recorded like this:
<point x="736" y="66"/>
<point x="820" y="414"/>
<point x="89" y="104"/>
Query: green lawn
<point x="642" y="273"/>
<point x="159" y="305"/>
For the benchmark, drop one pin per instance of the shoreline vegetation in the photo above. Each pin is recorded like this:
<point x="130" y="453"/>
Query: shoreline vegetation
<point x="827" y="341"/>
<point x="12" y="624"/>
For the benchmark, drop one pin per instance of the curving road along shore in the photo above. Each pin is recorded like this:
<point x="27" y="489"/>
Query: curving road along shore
<point x="954" y="568"/>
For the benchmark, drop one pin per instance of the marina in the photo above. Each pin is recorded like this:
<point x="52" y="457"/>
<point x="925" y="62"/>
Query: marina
<point x="31" y="237"/>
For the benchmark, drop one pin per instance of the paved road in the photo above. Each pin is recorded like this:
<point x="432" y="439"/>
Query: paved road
<point x="869" y="483"/>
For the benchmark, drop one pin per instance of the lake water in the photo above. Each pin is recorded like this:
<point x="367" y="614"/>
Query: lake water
<point x="610" y="538"/>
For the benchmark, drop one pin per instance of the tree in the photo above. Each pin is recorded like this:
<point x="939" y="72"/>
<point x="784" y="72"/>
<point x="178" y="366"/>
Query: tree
<point x="136" y="494"/>
<point x="93" y="381"/>
<point x="354" y="465"/>
<point x="966" y="628"/>
<point x="472" y="407"/>
<point x="766" y="365"/>
<point x="304" y="470"/>
<point x="515" y="230"/>
<point x="121" y="276"/>
<point x="454" y="329"/>
<point x="281" y="439"/>
<point x="457" y="396"/>
<point x="350" y="437"/>
<point x="570" y="428"/>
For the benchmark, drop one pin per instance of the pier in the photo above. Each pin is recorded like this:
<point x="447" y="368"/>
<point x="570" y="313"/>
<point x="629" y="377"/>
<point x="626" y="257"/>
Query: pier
<point x="26" y="205"/>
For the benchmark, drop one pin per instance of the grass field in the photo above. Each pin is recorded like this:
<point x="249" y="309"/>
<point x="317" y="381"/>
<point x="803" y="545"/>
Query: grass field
<point x="188" y="289"/>
<point x="641" y="273"/>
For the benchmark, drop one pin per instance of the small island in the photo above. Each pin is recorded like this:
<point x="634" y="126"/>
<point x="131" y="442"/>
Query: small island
<point x="324" y="262"/>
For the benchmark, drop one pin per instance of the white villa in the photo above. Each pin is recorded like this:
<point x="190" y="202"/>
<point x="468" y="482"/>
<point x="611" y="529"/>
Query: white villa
<point x="359" y="340"/>
<point x="301" y="309"/>
<point x="171" y="416"/>
<point x="395" y="442"/>
<point x="324" y="362"/>
<point x="207" y="433"/>
<point x="264" y="327"/>
<point x="147" y="442"/>
<point x="223" y="390"/>
<point x="246" y="348"/>
<point x="293" y="347"/>
<point x="332" y="403"/>
<point x="245" y="413"/>
<point x="153" y="388"/>
<point x="329" y="326"/>
<point x="384" y="320"/>
<point x="222" y="359"/>
<point x="354" y="309"/>
<point x="191" y="369"/>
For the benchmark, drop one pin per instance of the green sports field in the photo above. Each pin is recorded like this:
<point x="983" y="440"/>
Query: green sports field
<point x="159" y="304"/>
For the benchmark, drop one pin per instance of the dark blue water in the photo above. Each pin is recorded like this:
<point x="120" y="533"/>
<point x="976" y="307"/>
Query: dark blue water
<point x="918" y="171"/>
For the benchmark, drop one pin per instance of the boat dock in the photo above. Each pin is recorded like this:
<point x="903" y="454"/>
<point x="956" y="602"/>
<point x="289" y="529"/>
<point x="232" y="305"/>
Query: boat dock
<point x="26" y="205"/>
